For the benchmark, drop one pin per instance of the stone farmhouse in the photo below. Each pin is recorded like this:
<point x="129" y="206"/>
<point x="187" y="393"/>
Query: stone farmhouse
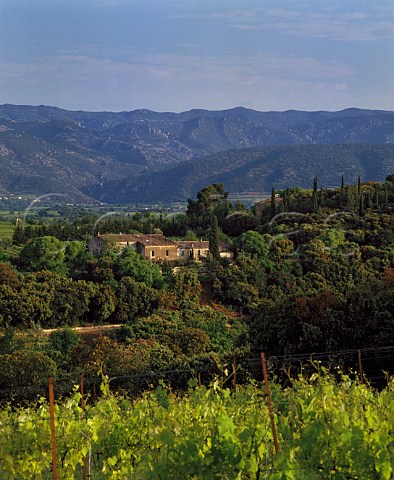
<point x="193" y="249"/>
<point x="153" y="247"/>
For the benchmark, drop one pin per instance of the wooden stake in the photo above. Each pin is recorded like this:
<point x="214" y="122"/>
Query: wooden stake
<point x="52" y="419"/>
<point x="81" y="388"/>
<point x="360" y="366"/>
<point x="270" y="408"/>
<point x="235" y="376"/>
<point x="199" y="378"/>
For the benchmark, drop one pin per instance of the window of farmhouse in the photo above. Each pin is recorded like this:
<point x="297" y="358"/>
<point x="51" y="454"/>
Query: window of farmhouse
<point x="152" y="253"/>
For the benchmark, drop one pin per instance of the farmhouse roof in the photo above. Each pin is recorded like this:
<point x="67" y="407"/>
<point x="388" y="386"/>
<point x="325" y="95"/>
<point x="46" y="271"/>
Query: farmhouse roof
<point x="193" y="243"/>
<point x="145" y="239"/>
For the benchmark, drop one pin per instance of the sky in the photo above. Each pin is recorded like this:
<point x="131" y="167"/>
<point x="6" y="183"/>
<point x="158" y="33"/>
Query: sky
<point x="176" y="55"/>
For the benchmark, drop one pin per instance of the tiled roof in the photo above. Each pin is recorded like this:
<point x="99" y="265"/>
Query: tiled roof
<point x="193" y="244"/>
<point x="118" y="238"/>
<point x="153" y="239"/>
<point x="145" y="239"/>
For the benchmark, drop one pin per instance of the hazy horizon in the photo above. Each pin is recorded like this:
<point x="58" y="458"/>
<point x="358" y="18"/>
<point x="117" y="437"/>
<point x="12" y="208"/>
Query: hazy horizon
<point x="178" y="55"/>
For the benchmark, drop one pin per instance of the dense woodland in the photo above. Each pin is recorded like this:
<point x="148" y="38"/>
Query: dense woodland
<point x="313" y="272"/>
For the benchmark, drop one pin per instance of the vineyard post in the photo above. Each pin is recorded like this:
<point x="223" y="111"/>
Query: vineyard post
<point x="235" y="376"/>
<point x="52" y="420"/>
<point x="360" y="366"/>
<point x="81" y="386"/>
<point x="199" y="378"/>
<point x="270" y="409"/>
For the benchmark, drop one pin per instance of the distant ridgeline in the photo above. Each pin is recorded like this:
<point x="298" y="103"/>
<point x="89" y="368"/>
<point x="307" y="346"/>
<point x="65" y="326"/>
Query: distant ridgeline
<point x="148" y="157"/>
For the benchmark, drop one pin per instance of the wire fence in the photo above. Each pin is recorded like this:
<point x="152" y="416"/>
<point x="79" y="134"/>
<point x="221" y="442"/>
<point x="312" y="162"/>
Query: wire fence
<point x="371" y="365"/>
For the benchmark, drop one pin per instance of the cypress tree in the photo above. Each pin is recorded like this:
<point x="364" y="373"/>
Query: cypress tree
<point x="273" y="203"/>
<point x="286" y="200"/>
<point x="214" y="238"/>
<point x="315" y="201"/>
<point x="376" y="196"/>
<point x="18" y="237"/>
<point x="321" y="198"/>
<point x="358" y="191"/>
<point x="369" y="200"/>
<point x="342" y="195"/>
<point x="283" y="206"/>
<point x="361" y="209"/>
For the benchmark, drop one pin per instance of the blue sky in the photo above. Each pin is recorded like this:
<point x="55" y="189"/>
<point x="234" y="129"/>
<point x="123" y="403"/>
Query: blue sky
<point x="175" y="55"/>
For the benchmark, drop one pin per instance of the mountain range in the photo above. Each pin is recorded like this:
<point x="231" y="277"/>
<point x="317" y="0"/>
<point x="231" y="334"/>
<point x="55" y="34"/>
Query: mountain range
<point x="146" y="156"/>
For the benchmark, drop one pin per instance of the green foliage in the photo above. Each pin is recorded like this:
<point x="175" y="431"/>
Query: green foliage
<point x="131" y="264"/>
<point x="253" y="244"/>
<point x="64" y="340"/>
<point x="304" y="282"/>
<point x="225" y="333"/>
<point x="325" y="429"/>
<point x="44" y="253"/>
<point x="187" y="291"/>
<point x="211" y="201"/>
<point x="323" y="321"/>
<point x="134" y="299"/>
<point x="189" y="341"/>
<point x="332" y="237"/>
<point x="102" y="304"/>
<point x="214" y="238"/>
<point x="241" y="283"/>
<point x="238" y="222"/>
<point x="23" y="368"/>
<point x="273" y="202"/>
<point x="9" y="342"/>
<point x="9" y="276"/>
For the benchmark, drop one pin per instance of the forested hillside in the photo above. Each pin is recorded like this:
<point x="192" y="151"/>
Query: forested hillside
<point x="312" y="272"/>
<point x="111" y="156"/>
<point x="253" y="169"/>
<point x="165" y="378"/>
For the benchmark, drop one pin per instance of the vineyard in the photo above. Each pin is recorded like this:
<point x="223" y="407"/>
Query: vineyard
<point x="327" y="428"/>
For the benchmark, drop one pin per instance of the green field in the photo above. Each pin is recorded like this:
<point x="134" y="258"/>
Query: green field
<point x="6" y="230"/>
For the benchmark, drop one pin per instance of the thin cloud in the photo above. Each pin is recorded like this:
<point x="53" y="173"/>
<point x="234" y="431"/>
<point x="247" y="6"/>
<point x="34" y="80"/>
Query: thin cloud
<point x="178" y="82"/>
<point x="243" y="14"/>
<point x="326" y="24"/>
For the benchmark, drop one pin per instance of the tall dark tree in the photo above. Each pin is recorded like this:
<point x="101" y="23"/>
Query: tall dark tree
<point x="377" y="196"/>
<point x="273" y="202"/>
<point x="286" y="200"/>
<point x="210" y="201"/>
<point x="369" y="200"/>
<point x="342" y="197"/>
<point x="321" y="198"/>
<point x="361" y="209"/>
<point x="315" y="195"/>
<point x="18" y="237"/>
<point x="214" y="238"/>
